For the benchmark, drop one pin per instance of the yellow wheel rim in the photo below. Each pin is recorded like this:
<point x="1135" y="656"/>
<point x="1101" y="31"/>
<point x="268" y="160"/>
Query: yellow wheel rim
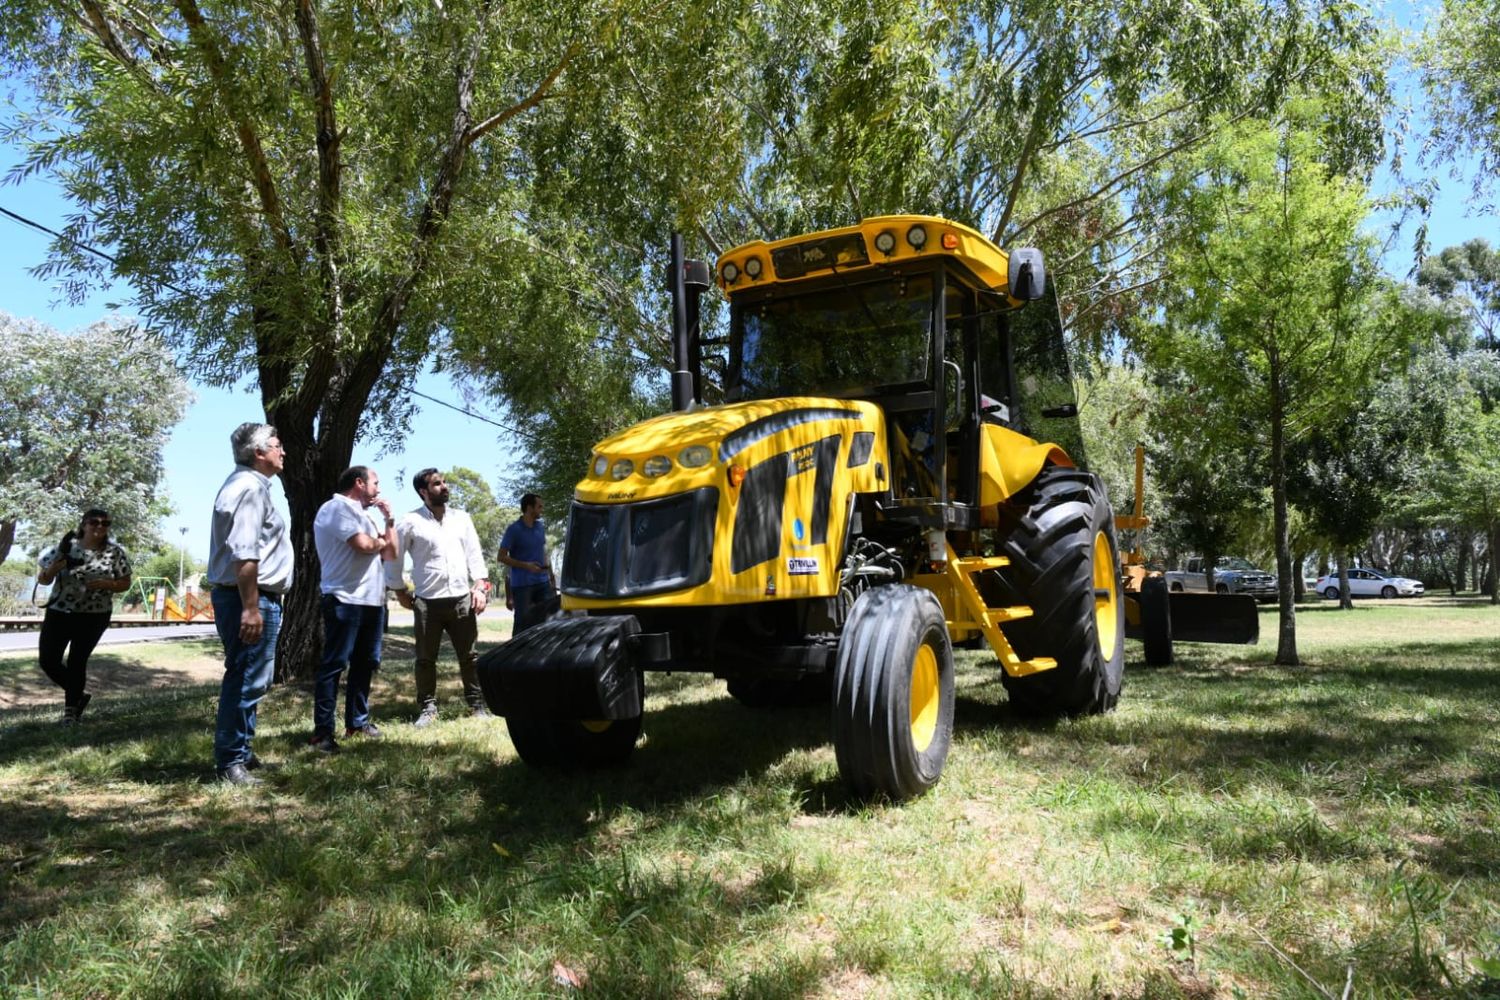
<point x="1106" y="596"/>
<point x="925" y="694"/>
<point x="595" y="725"/>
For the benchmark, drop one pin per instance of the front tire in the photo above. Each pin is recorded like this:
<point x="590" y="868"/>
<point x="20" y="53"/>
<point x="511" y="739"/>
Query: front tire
<point x="1065" y="566"/>
<point x="576" y="743"/>
<point x="1156" y="622"/>
<point x="893" y="693"/>
<point x="1388" y="592"/>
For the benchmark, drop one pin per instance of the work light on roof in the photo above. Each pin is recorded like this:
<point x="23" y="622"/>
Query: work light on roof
<point x="917" y="237"/>
<point x="730" y="272"/>
<point x="885" y="242"/>
<point x="752" y="267"/>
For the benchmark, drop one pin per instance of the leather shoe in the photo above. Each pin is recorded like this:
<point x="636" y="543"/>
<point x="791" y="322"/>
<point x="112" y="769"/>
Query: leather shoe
<point x="236" y="774"/>
<point x="324" y="744"/>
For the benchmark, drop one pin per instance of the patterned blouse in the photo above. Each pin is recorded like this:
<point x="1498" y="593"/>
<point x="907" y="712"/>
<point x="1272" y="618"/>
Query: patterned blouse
<point x="68" y="592"/>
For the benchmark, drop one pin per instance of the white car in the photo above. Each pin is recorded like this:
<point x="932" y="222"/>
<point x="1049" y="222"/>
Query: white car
<point x="1368" y="583"/>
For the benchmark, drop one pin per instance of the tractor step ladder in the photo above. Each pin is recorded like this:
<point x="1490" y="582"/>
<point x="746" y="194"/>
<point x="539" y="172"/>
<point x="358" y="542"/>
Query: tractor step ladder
<point x="987" y="619"/>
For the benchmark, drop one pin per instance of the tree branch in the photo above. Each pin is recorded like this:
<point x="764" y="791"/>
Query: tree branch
<point x="537" y="96"/>
<point x="326" y="236"/>
<point x="260" y="169"/>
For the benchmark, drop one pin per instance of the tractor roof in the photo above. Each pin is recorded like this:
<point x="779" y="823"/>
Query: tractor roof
<point x="872" y="243"/>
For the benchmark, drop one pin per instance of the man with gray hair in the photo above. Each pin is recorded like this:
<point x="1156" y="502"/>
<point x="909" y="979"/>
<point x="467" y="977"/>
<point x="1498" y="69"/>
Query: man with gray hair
<point x="250" y="567"/>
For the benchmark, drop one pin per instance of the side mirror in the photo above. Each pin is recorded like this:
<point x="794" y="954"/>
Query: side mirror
<point x="1027" y="277"/>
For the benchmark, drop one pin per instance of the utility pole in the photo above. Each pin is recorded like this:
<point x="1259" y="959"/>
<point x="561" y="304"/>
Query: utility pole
<point x="181" y="559"/>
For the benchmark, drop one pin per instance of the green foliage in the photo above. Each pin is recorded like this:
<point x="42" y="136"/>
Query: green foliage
<point x="83" y="422"/>
<point x="1469" y="277"/>
<point x="469" y="492"/>
<point x="1460" y="55"/>
<point x="1032" y="122"/>
<point x="1273" y="316"/>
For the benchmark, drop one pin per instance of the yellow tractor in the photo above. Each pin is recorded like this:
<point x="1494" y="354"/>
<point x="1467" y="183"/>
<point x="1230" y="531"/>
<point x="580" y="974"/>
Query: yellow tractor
<point x="895" y="468"/>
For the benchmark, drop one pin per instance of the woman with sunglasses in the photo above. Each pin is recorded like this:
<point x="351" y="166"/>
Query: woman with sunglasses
<point x="89" y="570"/>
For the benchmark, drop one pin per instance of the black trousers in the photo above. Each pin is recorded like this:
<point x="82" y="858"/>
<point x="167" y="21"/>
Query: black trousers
<point x="72" y="635"/>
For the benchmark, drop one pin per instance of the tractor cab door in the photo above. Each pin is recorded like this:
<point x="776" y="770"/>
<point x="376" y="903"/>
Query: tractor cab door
<point x="1026" y="380"/>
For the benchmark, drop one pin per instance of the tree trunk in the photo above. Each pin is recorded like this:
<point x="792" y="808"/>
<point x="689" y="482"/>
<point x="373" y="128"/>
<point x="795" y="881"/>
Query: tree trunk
<point x="7" y="539"/>
<point x="1494" y="563"/>
<point x="1299" y="588"/>
<point x="1286" y="639"/>
<point x="1346" y="601"/>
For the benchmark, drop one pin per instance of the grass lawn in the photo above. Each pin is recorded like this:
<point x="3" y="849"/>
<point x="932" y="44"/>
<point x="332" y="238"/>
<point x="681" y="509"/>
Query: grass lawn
<point x="1286" y="828"/>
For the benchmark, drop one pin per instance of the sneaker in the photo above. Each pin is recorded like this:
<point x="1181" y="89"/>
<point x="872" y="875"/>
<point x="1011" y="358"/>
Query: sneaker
<point x="324" y="743"/>
<point x="369" y="731"/>
<point x="70" y="716"/>
<point x="479" y="712"/>
<point x="428" y="717"/>
<point x="236" y="774"/>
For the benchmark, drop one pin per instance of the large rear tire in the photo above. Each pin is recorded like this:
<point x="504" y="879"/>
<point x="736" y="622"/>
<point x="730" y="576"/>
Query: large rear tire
<point x="1065" y="567"/>
<point x="893" y="693"/>
<point x="1156" y="622"/>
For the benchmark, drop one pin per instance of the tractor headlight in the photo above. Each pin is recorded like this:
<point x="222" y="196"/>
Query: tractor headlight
<point x="885" y="242"/>
<point x="917" y="237"/>
<point x="730" y="273"/>
<point x="655" y="466"/>
<point x="601" y="465"/>
<point x="752" y="267"/>
<point x="694" y="456"/>
<point x="622" y="468"/>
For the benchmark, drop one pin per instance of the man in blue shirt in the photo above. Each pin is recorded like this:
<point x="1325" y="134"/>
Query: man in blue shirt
<point x="532" y="587"/>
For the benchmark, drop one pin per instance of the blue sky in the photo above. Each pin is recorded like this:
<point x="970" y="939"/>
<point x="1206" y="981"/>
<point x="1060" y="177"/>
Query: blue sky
<point x="197" y="457"/>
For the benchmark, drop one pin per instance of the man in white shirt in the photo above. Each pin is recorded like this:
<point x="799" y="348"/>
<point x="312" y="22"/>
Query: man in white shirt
<point x="450" y="588"/>
<point x="351" y="546"/>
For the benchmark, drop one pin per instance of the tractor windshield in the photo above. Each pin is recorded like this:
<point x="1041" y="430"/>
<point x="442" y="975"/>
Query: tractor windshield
<point x="851" y="339"/>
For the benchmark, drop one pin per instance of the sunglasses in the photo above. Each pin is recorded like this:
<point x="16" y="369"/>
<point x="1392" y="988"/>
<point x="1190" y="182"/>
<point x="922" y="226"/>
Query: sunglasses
<point x="98" y="522"/>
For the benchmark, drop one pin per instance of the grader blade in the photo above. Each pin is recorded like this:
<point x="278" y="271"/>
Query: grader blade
<point x="1225" y="618"/>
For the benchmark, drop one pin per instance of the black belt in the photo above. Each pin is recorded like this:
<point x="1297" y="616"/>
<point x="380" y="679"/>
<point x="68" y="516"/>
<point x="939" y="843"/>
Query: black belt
<point x="268" y="595"/>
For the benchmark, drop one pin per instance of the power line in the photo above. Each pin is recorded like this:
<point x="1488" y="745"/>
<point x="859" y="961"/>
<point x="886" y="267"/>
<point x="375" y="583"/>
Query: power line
<point x="76" y="244"/>
<point x="165" y="284"/>
<point x="472" y="415"/>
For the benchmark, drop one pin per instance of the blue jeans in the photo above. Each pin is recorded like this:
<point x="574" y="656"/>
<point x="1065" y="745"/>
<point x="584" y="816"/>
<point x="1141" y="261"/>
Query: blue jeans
<point x="247" y="674"/>
<point x="352" y="635"/>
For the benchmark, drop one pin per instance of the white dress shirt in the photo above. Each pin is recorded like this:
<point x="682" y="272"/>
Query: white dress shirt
<point x="353" y="577"/>
<point x="446" y="558"/>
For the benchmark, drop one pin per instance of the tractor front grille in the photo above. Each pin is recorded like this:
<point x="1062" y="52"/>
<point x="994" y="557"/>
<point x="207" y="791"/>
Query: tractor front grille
<point x="635" y="549"/>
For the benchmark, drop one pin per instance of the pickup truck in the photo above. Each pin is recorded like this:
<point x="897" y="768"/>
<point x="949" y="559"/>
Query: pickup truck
<point x="1232" y="575"/>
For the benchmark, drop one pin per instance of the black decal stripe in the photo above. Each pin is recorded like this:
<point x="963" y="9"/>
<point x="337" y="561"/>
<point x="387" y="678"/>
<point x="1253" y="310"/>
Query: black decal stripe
<point x="860" y="448"/>
<point x="759" y="430"/>
<point x="757" y="522"/>
<point x="827" y="461"/>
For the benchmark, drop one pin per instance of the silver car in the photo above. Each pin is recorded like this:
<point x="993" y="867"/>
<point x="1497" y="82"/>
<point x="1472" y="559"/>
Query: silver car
<point x="1368" y="583"/>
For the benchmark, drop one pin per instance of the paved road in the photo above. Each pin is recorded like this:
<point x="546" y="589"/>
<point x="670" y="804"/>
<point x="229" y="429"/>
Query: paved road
<point x="12" y="641"/>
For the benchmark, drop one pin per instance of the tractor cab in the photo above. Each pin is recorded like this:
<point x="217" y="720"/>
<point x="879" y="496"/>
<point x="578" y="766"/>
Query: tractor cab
<point x="923" y="318"/>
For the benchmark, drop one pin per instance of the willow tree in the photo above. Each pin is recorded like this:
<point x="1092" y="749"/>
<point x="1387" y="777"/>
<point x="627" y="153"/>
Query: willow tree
<point x="1034" y="122"/>
<point x="299" y="193"/>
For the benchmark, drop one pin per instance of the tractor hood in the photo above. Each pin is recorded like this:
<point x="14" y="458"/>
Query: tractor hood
<point x="692" y="449"/>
